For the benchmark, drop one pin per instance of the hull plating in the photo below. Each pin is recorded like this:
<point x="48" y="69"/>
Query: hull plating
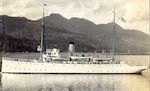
<point x="35" y="67"/>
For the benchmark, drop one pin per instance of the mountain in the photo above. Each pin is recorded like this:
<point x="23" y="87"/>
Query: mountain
<point x="87" y="36"/>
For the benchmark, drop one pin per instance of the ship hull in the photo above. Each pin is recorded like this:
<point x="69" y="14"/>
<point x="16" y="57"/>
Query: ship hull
<point x="36" y="67"/>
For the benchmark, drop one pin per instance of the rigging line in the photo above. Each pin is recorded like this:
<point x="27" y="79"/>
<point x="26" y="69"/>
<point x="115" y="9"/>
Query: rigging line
<point x="149" y="48"/>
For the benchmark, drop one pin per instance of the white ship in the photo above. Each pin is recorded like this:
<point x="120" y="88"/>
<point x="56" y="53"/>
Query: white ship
<point x="10" y="65"/>
<point x="52" y="62"/>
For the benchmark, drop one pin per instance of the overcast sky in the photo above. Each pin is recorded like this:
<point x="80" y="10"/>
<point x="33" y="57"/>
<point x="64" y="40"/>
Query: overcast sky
<point x="134" y="12"/>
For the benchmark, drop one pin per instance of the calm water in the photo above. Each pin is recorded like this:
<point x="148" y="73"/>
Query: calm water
<point x="74" y="82"/>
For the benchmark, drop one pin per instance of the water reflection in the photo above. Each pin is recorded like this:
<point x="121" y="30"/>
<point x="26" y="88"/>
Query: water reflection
<point x="74" y="82"/>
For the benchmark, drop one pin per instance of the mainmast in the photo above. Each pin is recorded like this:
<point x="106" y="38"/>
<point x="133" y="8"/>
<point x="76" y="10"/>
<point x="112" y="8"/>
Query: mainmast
<point x="114" y="34"/>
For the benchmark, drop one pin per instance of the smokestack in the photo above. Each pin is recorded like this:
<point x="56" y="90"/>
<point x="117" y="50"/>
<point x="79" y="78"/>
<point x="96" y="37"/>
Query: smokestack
<point x="71" y="48"/>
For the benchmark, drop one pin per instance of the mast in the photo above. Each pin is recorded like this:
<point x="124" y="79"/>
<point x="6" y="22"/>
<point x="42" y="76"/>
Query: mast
<point x="42" y="34"/>
<point x="114" y="34"/>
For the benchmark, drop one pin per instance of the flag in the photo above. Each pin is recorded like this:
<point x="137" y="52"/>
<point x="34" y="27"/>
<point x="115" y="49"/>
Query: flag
<point x="123" y="20"/>
<point x="45" y="4"/>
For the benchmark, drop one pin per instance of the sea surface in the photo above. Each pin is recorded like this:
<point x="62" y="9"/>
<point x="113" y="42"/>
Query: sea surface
<point x="74" y="82"/>
<point x="79" y="82"/>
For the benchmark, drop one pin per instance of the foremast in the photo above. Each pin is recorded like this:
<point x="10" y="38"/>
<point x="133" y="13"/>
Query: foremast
<point x="114" y="34"/>
<point x="42" y="35"/>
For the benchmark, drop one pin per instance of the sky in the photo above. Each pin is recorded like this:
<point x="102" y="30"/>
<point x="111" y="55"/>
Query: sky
<point x="130" y="14"/>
